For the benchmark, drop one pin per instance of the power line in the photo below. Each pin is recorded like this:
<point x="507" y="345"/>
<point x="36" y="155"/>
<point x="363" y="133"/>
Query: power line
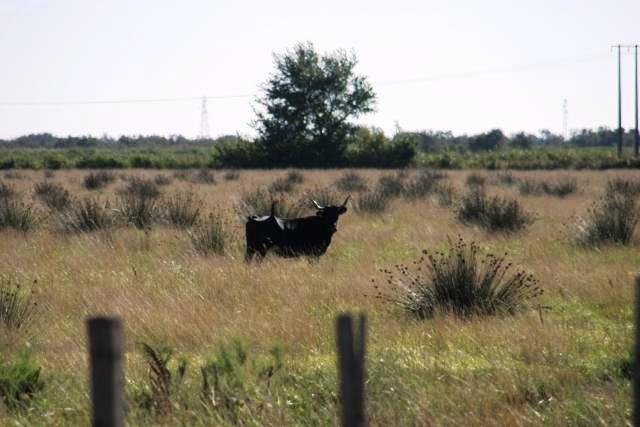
<point x="416" y="80"/>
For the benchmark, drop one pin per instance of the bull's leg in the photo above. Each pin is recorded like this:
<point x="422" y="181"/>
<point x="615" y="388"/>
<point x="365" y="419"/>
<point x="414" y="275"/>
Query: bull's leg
<point x="255" y="248"/>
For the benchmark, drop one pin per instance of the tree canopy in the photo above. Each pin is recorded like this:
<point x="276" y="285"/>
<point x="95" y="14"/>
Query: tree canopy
<point x="303" y="117"/>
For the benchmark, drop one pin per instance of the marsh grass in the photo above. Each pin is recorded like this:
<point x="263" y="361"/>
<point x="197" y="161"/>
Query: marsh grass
<point x="162" y="179"/>
<point x="507" y="179"/>
<point x="53" y="195"/>
<point x="259" y="202"/>
<point x="231" y="175"/>
<point x="6" y="191"/>
<point x="562" y="366"/>
<point x="18" y="215"/>
<point x="163" y="382"/>
<point x="98" y="180"/>
<point x="87" y="215"/>
<point x="183" y="210"/>
<point x="351" y="181"/>
<point x="612" y="219"/>
<point x="203" y="176"/>
<point x="493" y="213"/>
<point x="623" y="185"/>
<point x="20" y="383"/>
<point x="210" y="236"/>
<point x="391" y="185"/>
<point x="461" y="281"/>
<point x="17" y="308"/>
<point x="476" y="179"/>
<point x="372" y="202"/>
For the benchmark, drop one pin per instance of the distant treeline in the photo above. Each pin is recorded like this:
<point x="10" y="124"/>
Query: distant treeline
<point x="366" y="147"/>
<point x="426" y="141"/>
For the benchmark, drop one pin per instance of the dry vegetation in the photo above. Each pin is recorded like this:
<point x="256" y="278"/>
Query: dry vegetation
<point x="264" y="332"/>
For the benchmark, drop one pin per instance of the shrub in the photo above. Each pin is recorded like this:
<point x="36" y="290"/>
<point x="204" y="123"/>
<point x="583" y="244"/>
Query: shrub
<point x="424" y="184"/>
<point x="475" y="179"/>
<point x="183" y="210"/>
<point x="6" y="191"/>
<point x="140" y="187"/>
<point x="460" y="281"/>
<point x="17" y="215"/>
<point x="231" y="175"/>
<point x="561" y="187"/>
<point x="162" y="179"/>
<point x="504" y="178"/>
<point x="20" y="381"/>
<point x="494" y="213"/>
<point x="210" y="236"/>
<point x="259" y="201"/>
<point x="613" y="219"/>
<point x="204" y="176"/>
<point x="140" y="210"/>
<point x="325" y="196"/>
<point x="281" y="185"/>
<point x="13" y="174"/>
<point x="54" y="196"/>
<point x="17" y="308"/>
<point x="351" y="181"/>
<point x="391" y="185"/>
<point x="623" y="186"/>
<point x="87" y="215"/>
<point x="182" y="175"/>
<point x="372" y="202"/>
<point x="295" y="177"/>
<point x="445" y="193"/>
<point x="529" y="187"/>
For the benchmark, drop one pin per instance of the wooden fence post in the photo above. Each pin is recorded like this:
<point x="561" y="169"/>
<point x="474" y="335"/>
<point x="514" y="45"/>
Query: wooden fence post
<point x="635" y="367"/>
<point x="105" y="364"/>
<point x="351" y="349"/>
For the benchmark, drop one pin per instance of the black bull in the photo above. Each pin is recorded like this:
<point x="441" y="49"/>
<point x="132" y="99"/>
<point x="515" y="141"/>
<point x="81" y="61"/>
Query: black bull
<point x="290" y="237"/>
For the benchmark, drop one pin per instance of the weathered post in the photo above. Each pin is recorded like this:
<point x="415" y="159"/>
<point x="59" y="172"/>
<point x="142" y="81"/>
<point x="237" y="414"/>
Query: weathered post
<point x="105" y="364"/>
<point x="635" y="369"/>
<point x="351" y="349"/>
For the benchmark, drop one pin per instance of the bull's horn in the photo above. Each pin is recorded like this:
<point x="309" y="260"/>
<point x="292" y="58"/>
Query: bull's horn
<point x="316" y="204"/>
<point x="273" y="208"/>
<point x="346" y="200"/>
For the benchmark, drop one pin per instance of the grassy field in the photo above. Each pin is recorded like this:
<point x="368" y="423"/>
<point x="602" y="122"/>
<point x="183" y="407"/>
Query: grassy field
<point x="563" y="365"/>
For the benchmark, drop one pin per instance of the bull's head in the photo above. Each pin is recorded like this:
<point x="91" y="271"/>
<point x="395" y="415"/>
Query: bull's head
<point x="331" y="213"/>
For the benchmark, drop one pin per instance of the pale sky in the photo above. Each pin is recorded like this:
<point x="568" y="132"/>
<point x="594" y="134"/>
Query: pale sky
<point x="466" y="66"/>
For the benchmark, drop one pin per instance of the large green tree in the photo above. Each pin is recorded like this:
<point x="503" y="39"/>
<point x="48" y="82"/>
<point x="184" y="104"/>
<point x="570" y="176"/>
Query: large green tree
<point x="304" y="116"/>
